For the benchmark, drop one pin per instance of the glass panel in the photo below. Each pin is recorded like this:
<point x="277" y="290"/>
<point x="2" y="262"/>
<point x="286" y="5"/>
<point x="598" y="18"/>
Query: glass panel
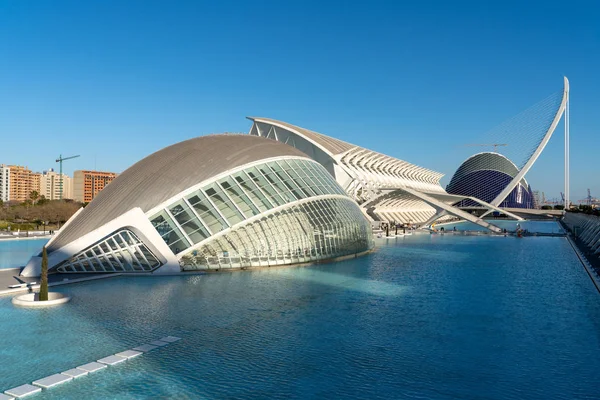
<point x="302" y="170"/>
<point x="250" y="187"/>
<point x="226" y="207"/>
<point x="265" y="186"/>
<point x="181" y="212"/>
<point x="317" y="230"/>
<point x="274" y="180"/>
<point x="287" y="180"/>
<point x="304" y="186"/>
<point x="207" y="213"/>
<point x="239" y="197"/>
<point x="195" y="231"/>
<point x="111" y="243"/>
<point x="169" y="232"/>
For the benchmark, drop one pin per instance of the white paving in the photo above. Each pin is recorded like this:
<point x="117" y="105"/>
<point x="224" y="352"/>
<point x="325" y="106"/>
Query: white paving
<point x="159" y="343"/>
<point x="82" y="370"/>
<point x="52" y="380"/>
<point x="23" y="390"/>
<point x="92" y="367"/>
<point x="129" y="354"/>
<point x="75" y="373"/>
<point x="112" y="360"/>
<point x="145" y="348"/>
<point x="170" y="339"/>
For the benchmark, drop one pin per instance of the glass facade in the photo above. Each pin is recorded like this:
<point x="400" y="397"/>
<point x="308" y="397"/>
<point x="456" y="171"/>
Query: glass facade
<point x="122" y="251"/>
<point x="310" y="231"/>
<point x="239" y="196"/>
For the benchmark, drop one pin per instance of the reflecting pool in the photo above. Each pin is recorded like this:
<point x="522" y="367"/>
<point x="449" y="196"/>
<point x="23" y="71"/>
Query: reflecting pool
<point x="16" y="252"/>
<point x="424" y="316"/>
<point x="509" y="225"/>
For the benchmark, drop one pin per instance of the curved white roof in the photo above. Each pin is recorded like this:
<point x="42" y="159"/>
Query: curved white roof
<point x="167" y="172"/>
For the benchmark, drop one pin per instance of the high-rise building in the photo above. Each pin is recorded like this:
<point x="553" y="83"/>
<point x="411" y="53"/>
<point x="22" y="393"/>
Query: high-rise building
<point x="87" y="184"/>
<point x="50" y="183"/>
<point x="537" y="199"/>
<point x="22" y="181"/>
<point x="4" y="183"/>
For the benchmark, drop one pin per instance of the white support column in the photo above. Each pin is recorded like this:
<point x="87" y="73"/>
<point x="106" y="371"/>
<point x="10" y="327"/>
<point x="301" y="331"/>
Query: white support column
<point x="567" y="150"/>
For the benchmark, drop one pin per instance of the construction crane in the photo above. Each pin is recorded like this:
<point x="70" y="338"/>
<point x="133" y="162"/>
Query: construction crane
<point x="494" y="145"/>
<point x="60" y="160"/>
<point x="589" y="200"/>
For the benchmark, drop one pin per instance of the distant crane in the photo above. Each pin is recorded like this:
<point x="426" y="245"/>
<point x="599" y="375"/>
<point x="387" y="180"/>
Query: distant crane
<point x="494" y="145"/>
<point x="60" y="160"/>
<point x="589" y="198"/>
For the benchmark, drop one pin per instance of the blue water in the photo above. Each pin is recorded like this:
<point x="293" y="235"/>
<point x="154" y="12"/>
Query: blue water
<point x="16" y="252"/>
<point x="425" y="316"/>
<point x="509" y="225"/>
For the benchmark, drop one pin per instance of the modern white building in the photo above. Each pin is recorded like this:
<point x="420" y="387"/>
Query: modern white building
<point x="213" y="202"/>
<point x="390" y="189"/>
<point x="484" y="176"/>
<point x="280" y="195"/>
<point x="386" y="188"/>
<point x="50" y="185"/>
<point x="4" y="183"/>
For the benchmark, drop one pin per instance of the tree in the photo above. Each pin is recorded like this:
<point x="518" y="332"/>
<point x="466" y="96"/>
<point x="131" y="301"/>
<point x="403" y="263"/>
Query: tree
<point x="34" y="195"/>
<point x="44" y="282"/>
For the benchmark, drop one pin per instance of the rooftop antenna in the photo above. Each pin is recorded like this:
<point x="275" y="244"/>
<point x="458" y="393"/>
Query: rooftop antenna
<point x="60" y="160"/>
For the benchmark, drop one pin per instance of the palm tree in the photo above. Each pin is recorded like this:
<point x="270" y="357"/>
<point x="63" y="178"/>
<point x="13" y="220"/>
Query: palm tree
<point x="34" y="195"/>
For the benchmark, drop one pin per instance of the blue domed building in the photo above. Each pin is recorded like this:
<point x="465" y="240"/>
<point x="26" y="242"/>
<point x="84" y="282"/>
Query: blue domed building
<point x="484" y="176"/>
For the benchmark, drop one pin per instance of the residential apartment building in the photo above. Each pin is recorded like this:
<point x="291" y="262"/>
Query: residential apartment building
<point x="22" y="181"/>
<point x="50" y="184"/>
<point x="4" y="183"/>
<point x="87" y="184"/>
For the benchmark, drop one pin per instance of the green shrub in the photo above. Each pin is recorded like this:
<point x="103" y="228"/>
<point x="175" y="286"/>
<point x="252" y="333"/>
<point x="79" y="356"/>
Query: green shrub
<point x="44" y="281"/>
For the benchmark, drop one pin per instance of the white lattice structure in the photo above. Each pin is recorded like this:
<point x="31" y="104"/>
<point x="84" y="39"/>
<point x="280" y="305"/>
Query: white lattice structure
<point x="386" y="188"/>
<point x="212" y="202"/>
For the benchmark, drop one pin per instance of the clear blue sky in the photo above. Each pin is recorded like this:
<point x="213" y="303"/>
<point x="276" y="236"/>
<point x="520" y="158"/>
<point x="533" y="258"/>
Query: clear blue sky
<point x="116" y="80"/>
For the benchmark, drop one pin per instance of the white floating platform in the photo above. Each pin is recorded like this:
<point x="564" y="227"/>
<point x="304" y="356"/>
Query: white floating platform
<point x="92" y="367"/>
<point x="22" y="285"/>
<point x="170" y="339"/>
<point x="52" y="380"/>
<point x="23" y="390"/>
<point x="112" y="360"/>
<point x="129" y="354"/>
<point x="75" y="373"/>
<point x="5" y="397"/>
<point x="145" y="348"/>
<point x="159" y="343"/>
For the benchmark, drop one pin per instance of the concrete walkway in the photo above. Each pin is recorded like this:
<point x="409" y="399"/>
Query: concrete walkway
<point x="11" y="277"/>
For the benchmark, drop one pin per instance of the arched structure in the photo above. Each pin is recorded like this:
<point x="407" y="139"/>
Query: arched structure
<point x="386" y="188"/>
<point x="218" y="201"/>
<point x="484" y="176"/>
<point x="541" y="144"/>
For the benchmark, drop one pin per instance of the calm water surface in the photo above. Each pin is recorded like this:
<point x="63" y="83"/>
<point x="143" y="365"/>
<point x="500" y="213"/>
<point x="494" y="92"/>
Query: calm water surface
<point x="16" y="252"/>
<point x="427" y="317"/>
<point x="510" y="225"/>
